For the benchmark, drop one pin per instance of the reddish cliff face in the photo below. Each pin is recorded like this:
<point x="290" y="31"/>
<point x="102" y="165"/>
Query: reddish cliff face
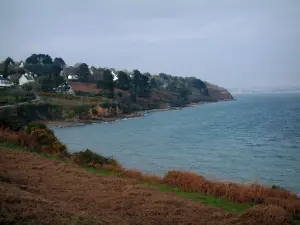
<point x="218" y="93"/>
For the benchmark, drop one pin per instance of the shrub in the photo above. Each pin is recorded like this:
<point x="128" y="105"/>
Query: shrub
<point x="18" y="138"/>
<point x="46" y="137"/>
<point x="94" y="111"/>
<point x="89" y="158"/>
<point x="30" y="86"/>
<point x="252" y="193"/>
<point x="120" y="94"/>
<point x="32" y="125"/>
<point x="266" y="215"/>
<point x="82" y="109"/>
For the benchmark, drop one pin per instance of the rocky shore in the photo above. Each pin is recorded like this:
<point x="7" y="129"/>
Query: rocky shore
<point x="66" y="123"/>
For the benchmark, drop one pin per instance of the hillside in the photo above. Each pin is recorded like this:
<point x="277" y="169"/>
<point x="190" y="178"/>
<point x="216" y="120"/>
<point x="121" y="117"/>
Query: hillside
<point x="218" y="93"/>
<point x="133" y="89"/>
<point x="38" y="190"/>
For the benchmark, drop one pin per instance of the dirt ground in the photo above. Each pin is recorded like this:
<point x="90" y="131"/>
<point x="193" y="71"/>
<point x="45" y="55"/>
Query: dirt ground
<point x="37" y="190"/>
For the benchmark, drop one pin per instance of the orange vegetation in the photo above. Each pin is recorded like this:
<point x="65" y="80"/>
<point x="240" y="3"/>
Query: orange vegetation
<point x="37" y="190"/>
<point x="253" y="193"/>
<point x="187" y="181"/>
<point x="39" y="140"/>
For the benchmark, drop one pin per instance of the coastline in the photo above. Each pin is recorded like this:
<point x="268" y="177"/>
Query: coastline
<point x="70" y="123"/>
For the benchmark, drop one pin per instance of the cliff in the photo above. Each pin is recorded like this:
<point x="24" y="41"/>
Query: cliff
<point x="218" y="93"/>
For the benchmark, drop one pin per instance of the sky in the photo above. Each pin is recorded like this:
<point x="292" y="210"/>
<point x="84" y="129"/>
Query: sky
<point x="232" y="43"/>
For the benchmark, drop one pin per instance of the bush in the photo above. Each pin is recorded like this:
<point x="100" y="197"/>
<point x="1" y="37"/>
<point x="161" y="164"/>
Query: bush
<point x="30" y="86"/>
<point x="243" y="193"/>
<point x="89" y="158"/>
<point x="266" y="215"/>
<point x="82" y="109"/>
<point x="32" y="125"/>
<point x="47" y="141"/>
<point x="120" y="94"/>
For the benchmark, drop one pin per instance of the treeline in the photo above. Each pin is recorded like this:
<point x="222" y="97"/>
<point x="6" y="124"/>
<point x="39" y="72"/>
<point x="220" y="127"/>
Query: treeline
<point x="51" y="73"/>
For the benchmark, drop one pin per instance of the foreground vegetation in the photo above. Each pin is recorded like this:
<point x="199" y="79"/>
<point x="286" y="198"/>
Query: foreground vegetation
<point x="228" y="196"/>
<point x="248" y="213"/>
<point x="56" y="192"/>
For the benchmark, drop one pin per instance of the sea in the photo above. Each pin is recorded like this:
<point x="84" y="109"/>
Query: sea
<point x="255" y="138"/>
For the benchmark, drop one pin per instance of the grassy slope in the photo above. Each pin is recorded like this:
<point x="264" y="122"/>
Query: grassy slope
<point x="198" y="197"/>
<point x="203" y="198"/>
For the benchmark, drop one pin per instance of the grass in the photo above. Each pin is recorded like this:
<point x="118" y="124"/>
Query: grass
<point x="22" y="149"/>
<point x="195" y="196"/>
<point x="203" y="198"/>
<point x="198" y="197"/>
<point x="222" y="203"/>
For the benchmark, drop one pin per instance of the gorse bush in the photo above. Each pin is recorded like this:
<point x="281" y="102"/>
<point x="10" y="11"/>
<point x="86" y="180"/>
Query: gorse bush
<point x="40" y="140"/>
<point x="89" y="158"/>
<point x="32" y="125"/>
<point x="18" y="138"/>
<point x="243" y="193"/>
<point x="47" y="141"/>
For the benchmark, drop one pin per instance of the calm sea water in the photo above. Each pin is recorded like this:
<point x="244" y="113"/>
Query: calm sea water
<point x="254" y="138"/>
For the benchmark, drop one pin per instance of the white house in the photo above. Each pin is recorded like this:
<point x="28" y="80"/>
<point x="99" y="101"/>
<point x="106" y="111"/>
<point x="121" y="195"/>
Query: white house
<point x="114" y="75"/>
<point x="5" y="82"/>
<point x="73" y="77"/>
<point x="91" y="70"/>
<point x="25" y="78"/>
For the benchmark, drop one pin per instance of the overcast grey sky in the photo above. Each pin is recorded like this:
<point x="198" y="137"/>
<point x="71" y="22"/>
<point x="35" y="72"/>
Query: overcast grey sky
<point x="233" y="43"/>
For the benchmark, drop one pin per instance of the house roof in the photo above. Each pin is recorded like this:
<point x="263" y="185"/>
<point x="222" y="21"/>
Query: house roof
<point x="14" y="76"/>
<point x="2" y="78"/>
<point x="73" y="77"/>
<point x="28" y="77"/>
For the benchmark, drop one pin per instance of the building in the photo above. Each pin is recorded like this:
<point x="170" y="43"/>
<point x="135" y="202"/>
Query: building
<point x="114" y="75"/>
<point x="73" y="77"/>
<point x="25" y="78"/>
<point x="4" y="83"/>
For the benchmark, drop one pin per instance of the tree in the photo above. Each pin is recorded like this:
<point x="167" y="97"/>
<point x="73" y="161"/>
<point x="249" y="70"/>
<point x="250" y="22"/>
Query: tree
<point x="147" y="74"/>
<point x="43" y="65"/>
<point x="140" y="84"/>
<point x="109" y="80"/>
<point x="7" y="62"/>
<point x="18" y="93"/>
<point x="153" y="83"/>
<point x="184" y="93"/>
<point x="55" y="69"/>
<point x="123" y="81"/>
<point x="48" y="83"/>
<point x="30" y="86"/>
<point x="45" y="83"/>
<point x="135" y="80"/>
<point x="107" y="83"/>
<point x="163" y="76"/>
<point x="98" y="74"/>
<point x="120" y="94"/>
<point x="59" y="61"/>
<point x="84" y="72"/>
<point x="33" y="59"/>
<point x="107" y="76"/>
<point x="39" y="59"/>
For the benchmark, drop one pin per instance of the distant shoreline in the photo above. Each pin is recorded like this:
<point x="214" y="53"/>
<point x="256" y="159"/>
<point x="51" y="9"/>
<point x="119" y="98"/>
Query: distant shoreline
<point x="64" y="123"/>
